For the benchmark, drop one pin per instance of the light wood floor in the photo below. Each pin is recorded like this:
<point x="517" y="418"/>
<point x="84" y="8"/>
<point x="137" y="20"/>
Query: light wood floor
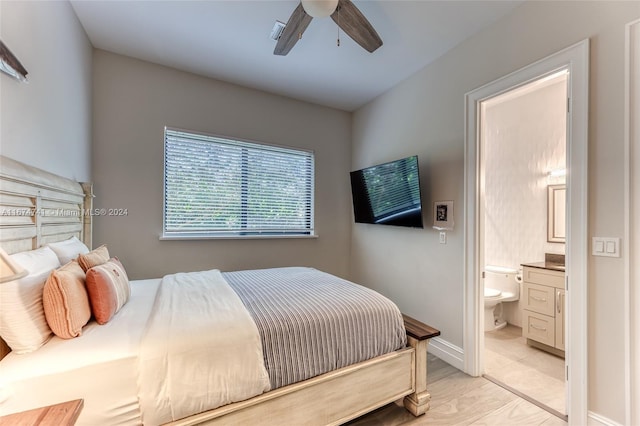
<point x="459" y="399"/>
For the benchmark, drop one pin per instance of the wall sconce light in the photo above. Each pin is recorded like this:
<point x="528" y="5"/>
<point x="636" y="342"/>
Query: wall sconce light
<point x="11" y="65"/>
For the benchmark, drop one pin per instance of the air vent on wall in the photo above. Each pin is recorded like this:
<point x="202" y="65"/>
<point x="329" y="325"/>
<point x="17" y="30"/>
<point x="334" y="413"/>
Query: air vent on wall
<point x="277" y="30"/>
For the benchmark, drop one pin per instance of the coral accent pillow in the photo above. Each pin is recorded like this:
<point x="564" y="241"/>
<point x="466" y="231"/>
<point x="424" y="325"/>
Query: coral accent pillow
<point x="108" y="288"/>
<point x="66" y="305"/>
<point x="93" y="258"/>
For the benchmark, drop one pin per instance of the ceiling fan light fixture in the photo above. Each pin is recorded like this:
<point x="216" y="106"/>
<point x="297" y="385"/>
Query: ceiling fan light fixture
<point x="319" y="8"/>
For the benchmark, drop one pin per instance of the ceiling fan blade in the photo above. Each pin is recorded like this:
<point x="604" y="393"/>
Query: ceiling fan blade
<point x="352" y="21"/>
<point x="297" y="23"/>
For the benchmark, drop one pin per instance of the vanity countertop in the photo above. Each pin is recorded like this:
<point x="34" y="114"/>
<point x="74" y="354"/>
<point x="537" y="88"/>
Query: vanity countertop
<point x="546" y="265"/>
<point x="552" y="262"/>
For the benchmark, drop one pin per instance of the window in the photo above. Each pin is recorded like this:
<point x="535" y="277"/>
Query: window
<point x="218" y="187"/>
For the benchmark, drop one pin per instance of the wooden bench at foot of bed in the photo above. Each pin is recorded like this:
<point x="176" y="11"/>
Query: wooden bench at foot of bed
<point x="338" y="396"/>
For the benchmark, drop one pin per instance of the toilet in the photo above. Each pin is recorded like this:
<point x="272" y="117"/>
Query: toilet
<point x="500" y="285"/>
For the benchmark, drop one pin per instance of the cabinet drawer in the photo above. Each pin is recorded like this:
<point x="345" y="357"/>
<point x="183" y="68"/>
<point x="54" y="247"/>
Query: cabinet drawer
<point x="543" y="276"/>
<point x="539" y="298"/>
<point x="539" y="327"/>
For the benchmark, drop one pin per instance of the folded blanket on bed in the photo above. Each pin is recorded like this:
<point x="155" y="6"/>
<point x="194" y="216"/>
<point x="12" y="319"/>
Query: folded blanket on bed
<point x="312" y="322"/>
<point x="201" y="349"/>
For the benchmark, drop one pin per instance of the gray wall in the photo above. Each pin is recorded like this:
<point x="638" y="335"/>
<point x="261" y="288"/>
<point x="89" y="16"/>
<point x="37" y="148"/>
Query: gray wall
<point x="47" y="122"/>
<point x="424" y="115"/>
<point x="134" y="100"/>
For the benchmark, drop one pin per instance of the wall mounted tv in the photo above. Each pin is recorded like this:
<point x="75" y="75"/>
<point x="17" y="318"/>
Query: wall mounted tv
<point x="388" y="194"/>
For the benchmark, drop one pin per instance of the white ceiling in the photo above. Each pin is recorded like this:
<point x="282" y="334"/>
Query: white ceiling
<point x="229" y="40"/>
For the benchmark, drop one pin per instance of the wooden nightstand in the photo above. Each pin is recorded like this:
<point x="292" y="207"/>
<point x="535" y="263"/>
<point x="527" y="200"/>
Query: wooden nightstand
<point x="63" y="414"/>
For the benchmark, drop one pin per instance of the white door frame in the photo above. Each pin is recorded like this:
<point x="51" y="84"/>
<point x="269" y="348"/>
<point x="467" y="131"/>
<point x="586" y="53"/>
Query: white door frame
<point x="575" y="59"/>
<point x="632" y="223"/>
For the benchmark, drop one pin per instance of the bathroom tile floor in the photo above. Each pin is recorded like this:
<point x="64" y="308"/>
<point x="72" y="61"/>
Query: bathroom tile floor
<point x="533" y="372"/>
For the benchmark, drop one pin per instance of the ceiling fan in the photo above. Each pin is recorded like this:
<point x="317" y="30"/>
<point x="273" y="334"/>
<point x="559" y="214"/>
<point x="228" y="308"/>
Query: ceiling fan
<point x="343" y="12"/>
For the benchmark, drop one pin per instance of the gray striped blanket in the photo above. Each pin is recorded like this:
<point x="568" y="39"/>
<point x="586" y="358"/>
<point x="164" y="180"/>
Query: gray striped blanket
<point x="311" y="322"/>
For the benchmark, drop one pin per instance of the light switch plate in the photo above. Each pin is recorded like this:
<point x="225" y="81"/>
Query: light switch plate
<point x="604" y="246"/>
<point x="598" y="246"/>
<point x="443" y="237"/>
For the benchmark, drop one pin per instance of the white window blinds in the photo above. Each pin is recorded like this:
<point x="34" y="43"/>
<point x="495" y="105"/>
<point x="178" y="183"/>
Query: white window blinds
<point x="222" y="187"/>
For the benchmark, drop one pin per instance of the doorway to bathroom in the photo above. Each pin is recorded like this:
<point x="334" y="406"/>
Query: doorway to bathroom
<point x="570" y="287"/>
<point x="523" y="166"/>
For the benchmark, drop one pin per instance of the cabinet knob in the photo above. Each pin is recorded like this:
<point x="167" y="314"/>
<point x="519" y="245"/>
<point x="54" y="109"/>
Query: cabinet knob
<point x="538" y="328"/>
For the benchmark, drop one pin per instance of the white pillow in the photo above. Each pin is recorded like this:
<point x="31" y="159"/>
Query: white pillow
<point x="22" y="322"/>
<point x="68" y="250"/>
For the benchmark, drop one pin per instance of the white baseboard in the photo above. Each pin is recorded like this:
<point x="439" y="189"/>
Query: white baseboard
<point x="449" y="353"/>
<point x="595" y="419"/>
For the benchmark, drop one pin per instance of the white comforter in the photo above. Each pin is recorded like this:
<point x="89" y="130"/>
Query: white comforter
<point x="201" y="349"/>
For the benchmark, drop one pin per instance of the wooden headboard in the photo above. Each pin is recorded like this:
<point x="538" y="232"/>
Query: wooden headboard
<point x="38" y="207"/>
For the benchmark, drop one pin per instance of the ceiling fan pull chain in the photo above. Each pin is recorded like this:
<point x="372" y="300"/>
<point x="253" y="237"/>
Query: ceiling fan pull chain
<point x="338" y="41"/>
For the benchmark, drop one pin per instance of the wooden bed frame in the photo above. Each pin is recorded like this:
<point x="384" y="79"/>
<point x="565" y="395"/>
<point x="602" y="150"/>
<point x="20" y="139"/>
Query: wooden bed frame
<point x="37" y="207"/>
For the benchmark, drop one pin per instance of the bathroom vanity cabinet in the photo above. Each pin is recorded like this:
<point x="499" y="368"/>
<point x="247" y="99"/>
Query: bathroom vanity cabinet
<point x="544" y="307"/>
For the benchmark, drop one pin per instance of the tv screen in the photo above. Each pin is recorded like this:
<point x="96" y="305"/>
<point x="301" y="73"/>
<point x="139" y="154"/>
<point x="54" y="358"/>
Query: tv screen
<point x="388" y="194"/>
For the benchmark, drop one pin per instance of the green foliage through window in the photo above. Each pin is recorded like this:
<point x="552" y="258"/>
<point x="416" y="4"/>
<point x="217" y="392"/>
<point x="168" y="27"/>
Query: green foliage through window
<point x="221" y="187"/>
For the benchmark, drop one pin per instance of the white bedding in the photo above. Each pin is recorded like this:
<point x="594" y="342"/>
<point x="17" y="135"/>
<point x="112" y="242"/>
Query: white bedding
<point x="100" y="366"/>
<point x="115" y="367"/>
<point x="198" y="321"/>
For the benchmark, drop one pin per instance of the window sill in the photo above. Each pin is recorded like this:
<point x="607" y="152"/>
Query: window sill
<point x="234" y="237"/>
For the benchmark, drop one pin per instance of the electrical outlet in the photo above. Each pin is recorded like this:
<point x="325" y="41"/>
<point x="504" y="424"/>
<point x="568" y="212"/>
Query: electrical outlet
<point x="443" y="238"/>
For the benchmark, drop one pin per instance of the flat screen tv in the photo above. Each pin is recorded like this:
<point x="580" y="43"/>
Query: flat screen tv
<point x="388" y="194"/>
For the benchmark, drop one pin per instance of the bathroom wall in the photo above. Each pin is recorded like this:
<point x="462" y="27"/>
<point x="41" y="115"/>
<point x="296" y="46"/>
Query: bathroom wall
<point x="524" y="140"/>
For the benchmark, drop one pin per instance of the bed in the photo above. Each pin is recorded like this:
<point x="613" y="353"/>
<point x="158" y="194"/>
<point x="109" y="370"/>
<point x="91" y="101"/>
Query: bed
<point x="118" y="378"/>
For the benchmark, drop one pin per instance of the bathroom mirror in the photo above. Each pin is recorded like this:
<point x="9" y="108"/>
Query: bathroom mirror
<point x="556" y="199"/>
